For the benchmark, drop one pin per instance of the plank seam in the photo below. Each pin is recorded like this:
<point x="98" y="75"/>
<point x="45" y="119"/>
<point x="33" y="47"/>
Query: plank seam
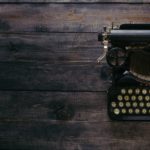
<point x="62" y="91"/>
<point x="90" y="3"/>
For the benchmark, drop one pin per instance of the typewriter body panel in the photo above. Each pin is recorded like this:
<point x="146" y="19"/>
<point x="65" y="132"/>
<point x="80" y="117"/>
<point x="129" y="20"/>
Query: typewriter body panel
<point x="127" y="51"/>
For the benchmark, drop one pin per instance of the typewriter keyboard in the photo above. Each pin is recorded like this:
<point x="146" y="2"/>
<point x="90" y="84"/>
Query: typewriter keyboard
<point x="132" y="103"/>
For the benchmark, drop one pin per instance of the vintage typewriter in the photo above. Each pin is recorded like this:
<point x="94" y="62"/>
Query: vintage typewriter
<point x="127" y="50"/>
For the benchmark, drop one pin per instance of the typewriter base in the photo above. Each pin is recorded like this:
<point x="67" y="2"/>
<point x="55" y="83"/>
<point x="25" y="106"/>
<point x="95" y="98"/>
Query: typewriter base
<point x="129" y="118"/>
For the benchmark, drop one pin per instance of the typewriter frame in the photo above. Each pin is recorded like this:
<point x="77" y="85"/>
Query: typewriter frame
<point x="119" y="80"/>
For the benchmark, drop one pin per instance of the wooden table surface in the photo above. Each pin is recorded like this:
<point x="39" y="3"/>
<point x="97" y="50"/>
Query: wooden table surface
<point x="48" y="52"/>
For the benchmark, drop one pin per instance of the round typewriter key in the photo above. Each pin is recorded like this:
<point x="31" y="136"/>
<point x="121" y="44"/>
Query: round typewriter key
<point x="137" y="111"/>
<point x="120" y="98"/>
<point x="140" y="97"/>
<point x="130" y="110"/>
<point x="137" y="91"/>
<point x="144" y="91"/>
<point x="113" y="104"/>
<point x="126" y="97"/>
<point x="133" y="97"/>
<point x="116" y="111"/>
<point x="123" y="111"/>
<point x="135" y="104"/>
<point x="147" y="98"/>
<point x="148" y="104"/>
<point x="121" y="104"/>
<point x="141" y="104"/>
<point x="144" y="111"/>
<point x="123" y="91"/>
<point x="128" y="104"/>
<point x="130" y="91"/>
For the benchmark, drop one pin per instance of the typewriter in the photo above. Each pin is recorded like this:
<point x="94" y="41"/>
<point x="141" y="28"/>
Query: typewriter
<point x="127" y="51"/>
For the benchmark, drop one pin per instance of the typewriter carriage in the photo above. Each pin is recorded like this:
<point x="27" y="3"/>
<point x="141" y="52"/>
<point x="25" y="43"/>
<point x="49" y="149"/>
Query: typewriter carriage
<point x="127" y="48"/>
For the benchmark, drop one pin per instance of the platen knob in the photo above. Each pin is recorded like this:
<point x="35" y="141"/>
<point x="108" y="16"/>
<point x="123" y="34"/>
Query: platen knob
<point x="116" y="57"/>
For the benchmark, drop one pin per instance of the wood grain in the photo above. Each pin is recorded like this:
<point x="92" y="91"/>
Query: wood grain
<point x="48" y="52"/>
<point x="68" y="17"/>
<point x="51" y="47"/>
<point x="44" y="76"/>
<point x="75" y="1"/>
<point x="25" y="106"/>
<point x="62" y="135"/>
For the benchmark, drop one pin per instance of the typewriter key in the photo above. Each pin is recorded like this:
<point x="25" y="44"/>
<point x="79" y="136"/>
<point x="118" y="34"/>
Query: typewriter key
<point x="130" y="91"/>
<point x="135" y="104"/>
<point x="147" y="98"/>
<point x="137" y="91"/>
<point x="144" y="91"/>
<point x="140" y="97"/>
<point x="144" y="111"/>
<point x="123" y="111"/>
<point x="120" y="98"/>
<point x="113" y="104"/>
<point x="121" y="104"/>
<point x="126" y="97"/>
<point x="116" y="111"/>
<point x="123" y="91"/>
<point x="128" y="104"/>
<point x="148" y="104"/>
<point x="130" y="110"/>
<point x="137" y="111"/>
<point x="133" y="97"/>
<point x="141" y="104"/>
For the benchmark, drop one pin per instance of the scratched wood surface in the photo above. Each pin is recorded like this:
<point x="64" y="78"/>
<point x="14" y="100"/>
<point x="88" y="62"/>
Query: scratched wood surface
<point x="48" y="67"/>
<point x="68" y="17"/>
<point x="76" y="1"/>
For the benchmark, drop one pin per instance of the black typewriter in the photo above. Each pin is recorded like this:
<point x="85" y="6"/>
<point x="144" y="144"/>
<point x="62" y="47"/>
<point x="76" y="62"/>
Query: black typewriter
<point x="127" y="51"/>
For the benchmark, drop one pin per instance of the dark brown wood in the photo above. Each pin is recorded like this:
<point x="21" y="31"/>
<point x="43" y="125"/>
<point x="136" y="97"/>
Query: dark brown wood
<point x="45" y="64"/>
<point x="51" y="47"/>
<point x="32" y="57"/>
<point x="25" y="106"/>
<point x="28" y="123"/>
<point x="45" y="76"/>
<point x="75" y="1"/>
<point x="65" y="136"/>
<point x="69" y="17"/>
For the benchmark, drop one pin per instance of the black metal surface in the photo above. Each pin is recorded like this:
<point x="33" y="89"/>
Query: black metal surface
<point x="130" y="36"/>
<point x="135" y="27"/>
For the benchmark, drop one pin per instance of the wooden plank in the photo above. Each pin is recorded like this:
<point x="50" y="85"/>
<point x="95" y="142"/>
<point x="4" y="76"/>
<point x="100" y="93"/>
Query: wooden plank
<point x="52" y="48"/>
<point x="102" y="135"/>
<point x="104" y="144"/>
<point x="69" y="17"/>
<point x="43" y="106"/>
<point x="29" y="125"/>
<point x="44" y="76"/>
<point x="74" y="1"/>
